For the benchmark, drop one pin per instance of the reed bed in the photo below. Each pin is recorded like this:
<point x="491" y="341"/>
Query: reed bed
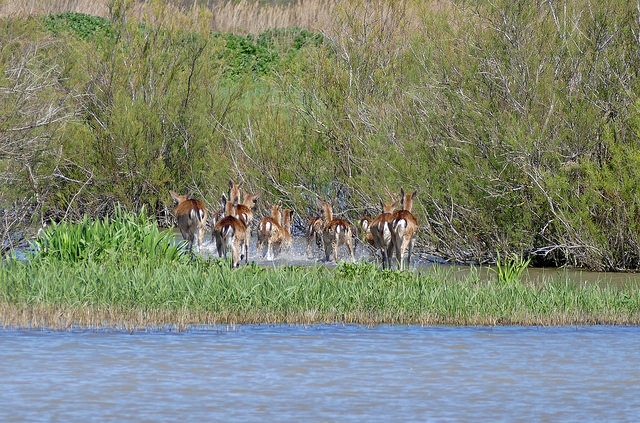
<point x="244" y="16"/>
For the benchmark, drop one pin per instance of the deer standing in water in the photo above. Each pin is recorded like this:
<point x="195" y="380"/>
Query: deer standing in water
<point x="244" y="209"/>
<point x="231" y="234"/>
<point x="191" y="215"/>
<point x="365" y="231"/>
<point x="381" y="232"/>
<point x="313" y="233"/>
<point x="335" y="233"/>
<point x="404" y="228"/>
<point x="276" y="231"/>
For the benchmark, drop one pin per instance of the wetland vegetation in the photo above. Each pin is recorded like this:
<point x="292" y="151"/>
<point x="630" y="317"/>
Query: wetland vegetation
<point x="132" y="275"/>
<point x="517" y="122"/>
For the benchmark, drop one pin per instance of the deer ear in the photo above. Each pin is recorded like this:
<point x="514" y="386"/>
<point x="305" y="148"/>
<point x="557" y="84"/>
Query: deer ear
<point x="230" y="184"/>
<point x="174" y="195"/>
<point x="415" y="193"/>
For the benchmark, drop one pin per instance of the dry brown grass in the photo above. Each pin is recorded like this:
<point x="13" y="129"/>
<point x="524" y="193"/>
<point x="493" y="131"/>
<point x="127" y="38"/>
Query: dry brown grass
<point x="92" y="317"/>
<point x="245" y="16"/>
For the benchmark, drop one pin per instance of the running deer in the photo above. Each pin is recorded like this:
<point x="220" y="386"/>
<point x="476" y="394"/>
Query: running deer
<point x="244" y="209"/>
<point x="335" y="233"/>
<point x="266" y="226"/>
<point x="313" y="233"/>
<point x="276" y="231"/>
<point x="365" y="231"/>
<point x="404" y="228"/>
<point x="191" y="215"/>
<point x="381" y="232"/>
<point x="230" y="234"/>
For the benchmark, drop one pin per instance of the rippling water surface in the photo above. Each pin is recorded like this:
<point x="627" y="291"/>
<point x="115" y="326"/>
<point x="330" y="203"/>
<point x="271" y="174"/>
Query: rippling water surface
<point x="323" y="373"/>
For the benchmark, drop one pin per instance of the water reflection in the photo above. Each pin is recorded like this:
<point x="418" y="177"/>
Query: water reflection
<point x="323" y="373"/>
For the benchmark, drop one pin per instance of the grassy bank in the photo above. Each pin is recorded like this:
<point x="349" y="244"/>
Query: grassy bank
<point x="125" y="272"/>
<point x="202" y="292"/>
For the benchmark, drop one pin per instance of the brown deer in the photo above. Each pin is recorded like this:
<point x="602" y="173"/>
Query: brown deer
<point x="276" y="231"/>
<point x="365" y="231"/>
<point x="335" y="233"/>
<point x="244" y="209"/>
<point x="266" y="226"/>
<point x="191" y="215"/>
<point x="230" y="233"/>
<point x="404" y="228"/>
<point x="381" y="232"/>
<point x="313" y="233"/>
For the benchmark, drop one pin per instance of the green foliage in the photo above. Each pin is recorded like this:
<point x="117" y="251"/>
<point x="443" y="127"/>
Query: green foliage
<point x="204" y="291"/>
<point x="518" y="129"/>
<point x="82" y="25"/>
<point x="509" y="269"/>
<point x="260" y="55"/>
<point x="125" y="239"/>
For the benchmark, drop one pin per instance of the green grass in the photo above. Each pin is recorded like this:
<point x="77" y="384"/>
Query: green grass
<point x="123" y="271"/>
<point x="127" y="238"/>
<point x="201" y="292"/>
<point x="509" y="269"/>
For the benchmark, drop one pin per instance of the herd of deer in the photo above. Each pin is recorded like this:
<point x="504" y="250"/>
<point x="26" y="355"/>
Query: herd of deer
<point x="392" y="231"/>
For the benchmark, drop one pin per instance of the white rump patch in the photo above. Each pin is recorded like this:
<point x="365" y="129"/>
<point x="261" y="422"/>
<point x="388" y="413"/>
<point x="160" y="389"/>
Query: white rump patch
<point x="400" y="223"/>
<point x="227" y="231"/>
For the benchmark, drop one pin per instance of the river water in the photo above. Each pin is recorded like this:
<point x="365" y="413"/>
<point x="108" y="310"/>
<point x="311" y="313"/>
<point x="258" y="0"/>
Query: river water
<point x="323" y="373"/>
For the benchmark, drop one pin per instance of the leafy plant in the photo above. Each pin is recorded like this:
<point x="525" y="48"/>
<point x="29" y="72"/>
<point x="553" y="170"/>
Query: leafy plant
<point x="509" y="269"/>
<point x="84" y="26"/>
<point x="129" y="238"/>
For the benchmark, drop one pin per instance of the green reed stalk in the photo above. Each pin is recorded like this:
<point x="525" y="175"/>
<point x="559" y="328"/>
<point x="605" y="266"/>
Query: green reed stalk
<point x="509" y="269"/>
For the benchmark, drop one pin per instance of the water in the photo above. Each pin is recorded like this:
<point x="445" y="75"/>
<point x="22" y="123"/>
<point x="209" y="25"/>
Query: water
<point x="297" y="257"/>
<point x="323" y="373"/>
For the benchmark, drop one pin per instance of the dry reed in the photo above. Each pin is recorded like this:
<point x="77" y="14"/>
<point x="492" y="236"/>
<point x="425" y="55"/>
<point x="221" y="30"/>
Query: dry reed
<point x="244" y="16"/>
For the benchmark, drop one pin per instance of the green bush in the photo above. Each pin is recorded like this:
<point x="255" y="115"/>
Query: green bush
<point x="82" y="25"/>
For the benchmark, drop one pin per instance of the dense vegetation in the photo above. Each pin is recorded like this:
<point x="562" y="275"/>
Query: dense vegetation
<point x="516" y="121"/>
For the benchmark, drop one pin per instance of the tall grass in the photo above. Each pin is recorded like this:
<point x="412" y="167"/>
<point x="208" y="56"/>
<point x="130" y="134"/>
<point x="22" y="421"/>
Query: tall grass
<point x="123" y="271"/>
<point x="244" y="16"/>
<point x="125" y="239"/>
<point x="201" y="292"/>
